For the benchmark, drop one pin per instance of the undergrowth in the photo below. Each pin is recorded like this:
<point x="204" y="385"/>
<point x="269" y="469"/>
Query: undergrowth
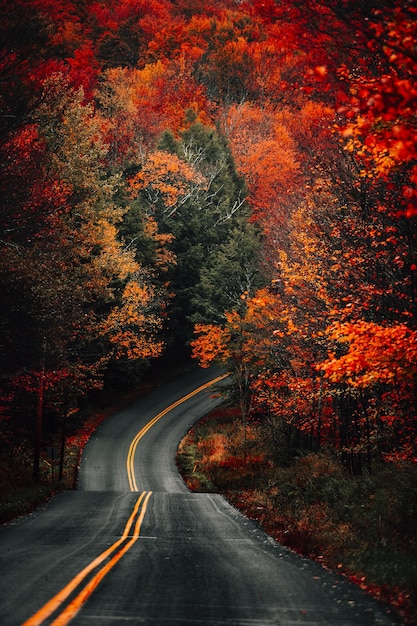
<point x="365" y="526"/>
<point x="19" y="494"/>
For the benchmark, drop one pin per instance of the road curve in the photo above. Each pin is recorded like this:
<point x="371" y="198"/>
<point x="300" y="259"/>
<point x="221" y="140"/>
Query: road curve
<point x="133" y="546"/>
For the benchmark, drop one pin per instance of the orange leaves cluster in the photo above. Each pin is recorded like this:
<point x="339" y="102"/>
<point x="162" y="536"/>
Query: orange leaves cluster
<point x="167" y="180"/>
<point x="290" y="397"/>
<point x="266" y="155"/>
<point x="164" y="257"/>
<point x="246" y="335"/>
<point x="376" y="354"/>
<point x="211" y="344"/>
<point x="131" y="326"/>
<point x="114" y="260"/>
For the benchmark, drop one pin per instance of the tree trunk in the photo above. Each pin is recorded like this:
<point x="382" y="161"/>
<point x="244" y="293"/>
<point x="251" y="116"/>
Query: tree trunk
<point x="62" y="451"/>
<point x="38" y="427"/>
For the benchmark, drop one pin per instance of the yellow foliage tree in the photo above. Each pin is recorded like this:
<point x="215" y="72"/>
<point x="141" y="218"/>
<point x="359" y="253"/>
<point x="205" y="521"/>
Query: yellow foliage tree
<point x="131" y="327"/>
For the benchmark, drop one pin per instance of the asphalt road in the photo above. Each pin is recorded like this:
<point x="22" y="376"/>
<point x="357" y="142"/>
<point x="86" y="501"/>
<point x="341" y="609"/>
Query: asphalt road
<point x="133" y="546"/>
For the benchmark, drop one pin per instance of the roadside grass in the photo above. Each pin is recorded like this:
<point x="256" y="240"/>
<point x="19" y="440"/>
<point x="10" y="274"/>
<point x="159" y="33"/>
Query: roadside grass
<point x="364" y="527"/>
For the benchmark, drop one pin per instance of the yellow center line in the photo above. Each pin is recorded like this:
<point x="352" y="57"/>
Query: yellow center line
<point x="132" y="448"/>
<point x="75" y="605"/>
<point x="62" y="595"/>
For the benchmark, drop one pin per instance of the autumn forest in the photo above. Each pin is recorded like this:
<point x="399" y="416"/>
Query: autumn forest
<point x="235" y="180"/>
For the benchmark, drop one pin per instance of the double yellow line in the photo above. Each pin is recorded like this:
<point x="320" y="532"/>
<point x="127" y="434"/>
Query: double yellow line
<point x="132" y="448"/>
<point x="67" y="602"/>
<point x="85" y="584"/>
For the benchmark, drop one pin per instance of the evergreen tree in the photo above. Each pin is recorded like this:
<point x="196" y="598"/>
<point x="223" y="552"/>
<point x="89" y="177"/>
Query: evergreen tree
<point x="216" y="247"/>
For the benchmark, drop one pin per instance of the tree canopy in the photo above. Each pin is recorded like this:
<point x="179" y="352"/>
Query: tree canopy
<point x="245" y="167"/>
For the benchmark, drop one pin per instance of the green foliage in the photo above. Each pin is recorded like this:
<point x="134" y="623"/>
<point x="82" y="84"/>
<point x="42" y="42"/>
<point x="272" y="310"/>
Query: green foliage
<point x="217" y="250"/>
<point x="231" y="270"/>
<point x="168" y="143"/>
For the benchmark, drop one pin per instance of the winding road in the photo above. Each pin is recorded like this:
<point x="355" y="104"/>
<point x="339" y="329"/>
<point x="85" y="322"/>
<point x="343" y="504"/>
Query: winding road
<point x="133" y="546"/>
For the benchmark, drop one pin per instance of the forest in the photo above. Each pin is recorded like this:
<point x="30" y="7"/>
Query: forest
<point x="232" y="180"/>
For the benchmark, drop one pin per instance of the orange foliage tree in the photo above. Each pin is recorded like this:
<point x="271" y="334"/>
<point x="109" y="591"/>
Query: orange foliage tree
<point x="243" y="343"/>
<point x="82" y="291"/>
<point x="266" y="156"/>
<point x="380" y="365"/>
<point x="167" y="181"/>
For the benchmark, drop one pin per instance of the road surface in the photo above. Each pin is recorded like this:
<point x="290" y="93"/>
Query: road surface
<point x="133" y="546"/>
